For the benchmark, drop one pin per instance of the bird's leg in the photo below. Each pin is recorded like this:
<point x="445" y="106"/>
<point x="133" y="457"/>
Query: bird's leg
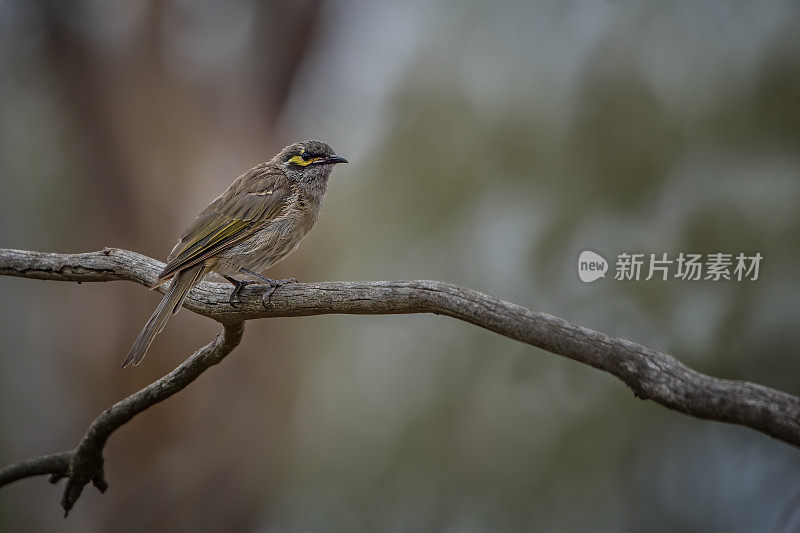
<point x="273" y="283"/>
<point x="238" y="285"/>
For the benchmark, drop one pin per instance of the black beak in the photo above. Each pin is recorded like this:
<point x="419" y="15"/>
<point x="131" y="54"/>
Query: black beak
<point x="333" y="159"/>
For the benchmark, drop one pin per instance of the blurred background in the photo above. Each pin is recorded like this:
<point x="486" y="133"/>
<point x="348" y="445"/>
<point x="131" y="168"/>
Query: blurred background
<point x="489" y="144"/>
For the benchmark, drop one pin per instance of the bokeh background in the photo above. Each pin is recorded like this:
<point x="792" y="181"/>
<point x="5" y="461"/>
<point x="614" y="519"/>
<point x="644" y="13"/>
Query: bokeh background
<point x="490" y="142"/>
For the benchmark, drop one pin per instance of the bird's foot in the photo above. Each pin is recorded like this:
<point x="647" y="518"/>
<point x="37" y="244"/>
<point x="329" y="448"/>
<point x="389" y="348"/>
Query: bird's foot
<point x="238" y="285"/>
<point x="273" y="284"/>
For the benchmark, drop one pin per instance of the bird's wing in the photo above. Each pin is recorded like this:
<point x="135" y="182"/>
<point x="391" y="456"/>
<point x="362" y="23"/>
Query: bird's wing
<point x="251" y="201"/>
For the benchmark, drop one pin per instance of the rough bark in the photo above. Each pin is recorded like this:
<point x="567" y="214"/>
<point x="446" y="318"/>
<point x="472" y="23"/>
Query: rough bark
<point x="649" y="373"/>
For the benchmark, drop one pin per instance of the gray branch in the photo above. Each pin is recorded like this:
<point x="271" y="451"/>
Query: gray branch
<point x="649" y="373"/>
<point x="84" y="464"/>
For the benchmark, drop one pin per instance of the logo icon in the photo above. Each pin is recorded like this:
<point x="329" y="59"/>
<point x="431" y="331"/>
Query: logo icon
<point x="591" y="266"/>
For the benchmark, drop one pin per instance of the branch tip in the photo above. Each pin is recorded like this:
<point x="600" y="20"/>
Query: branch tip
<point x="651" y="374"/>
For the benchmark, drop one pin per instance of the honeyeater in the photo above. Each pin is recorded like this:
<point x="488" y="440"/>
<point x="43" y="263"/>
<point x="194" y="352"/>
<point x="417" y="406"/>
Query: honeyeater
<point x="258" y="221"/>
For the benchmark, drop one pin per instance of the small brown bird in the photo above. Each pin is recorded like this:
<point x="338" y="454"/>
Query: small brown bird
<point x="258" y="221"/>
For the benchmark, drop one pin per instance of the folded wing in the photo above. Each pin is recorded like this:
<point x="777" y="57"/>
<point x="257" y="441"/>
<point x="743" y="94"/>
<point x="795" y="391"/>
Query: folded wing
<point x="251" y="202"/>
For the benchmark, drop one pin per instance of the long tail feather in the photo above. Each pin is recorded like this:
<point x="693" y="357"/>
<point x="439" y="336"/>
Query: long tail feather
<point x="170" y="304"/>
<point x="198" y="275"/>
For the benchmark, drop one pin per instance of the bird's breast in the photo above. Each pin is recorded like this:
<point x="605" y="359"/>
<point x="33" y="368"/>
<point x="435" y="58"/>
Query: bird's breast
<point x="272" y="243"/>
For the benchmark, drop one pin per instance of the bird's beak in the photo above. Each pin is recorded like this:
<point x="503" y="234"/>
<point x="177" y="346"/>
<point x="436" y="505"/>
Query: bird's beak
<point x="333" y="159"/>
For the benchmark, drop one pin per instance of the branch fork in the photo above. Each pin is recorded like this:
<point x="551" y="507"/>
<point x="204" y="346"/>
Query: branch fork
<point x="650" y="374"/>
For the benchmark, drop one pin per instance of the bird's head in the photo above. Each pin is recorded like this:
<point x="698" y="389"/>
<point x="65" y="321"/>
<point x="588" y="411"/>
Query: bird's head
<point x="308" y="161"/>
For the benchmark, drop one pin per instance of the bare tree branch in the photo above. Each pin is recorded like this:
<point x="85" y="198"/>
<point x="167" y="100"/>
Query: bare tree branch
<point x="57" y="465"/>
<point x="85" y="463"/>
<point x="649" y="373"/>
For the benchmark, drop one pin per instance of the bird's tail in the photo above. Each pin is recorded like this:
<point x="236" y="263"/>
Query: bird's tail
<point x="173" y="299"/>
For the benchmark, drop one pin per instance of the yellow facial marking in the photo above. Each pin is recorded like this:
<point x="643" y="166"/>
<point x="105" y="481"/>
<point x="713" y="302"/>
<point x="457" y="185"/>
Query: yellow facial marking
<point x="298" y="160"/>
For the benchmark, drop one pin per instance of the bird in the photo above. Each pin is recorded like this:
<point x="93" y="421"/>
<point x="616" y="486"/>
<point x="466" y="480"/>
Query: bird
<point x="259" y="220"/>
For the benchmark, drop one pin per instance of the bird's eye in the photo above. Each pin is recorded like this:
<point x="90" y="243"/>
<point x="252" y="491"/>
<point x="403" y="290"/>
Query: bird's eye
<point x="303" y="160"/>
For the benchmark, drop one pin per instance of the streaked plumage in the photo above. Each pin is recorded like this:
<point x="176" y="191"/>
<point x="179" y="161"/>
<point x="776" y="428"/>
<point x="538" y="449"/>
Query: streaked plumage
<point x="258" y="221"/>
